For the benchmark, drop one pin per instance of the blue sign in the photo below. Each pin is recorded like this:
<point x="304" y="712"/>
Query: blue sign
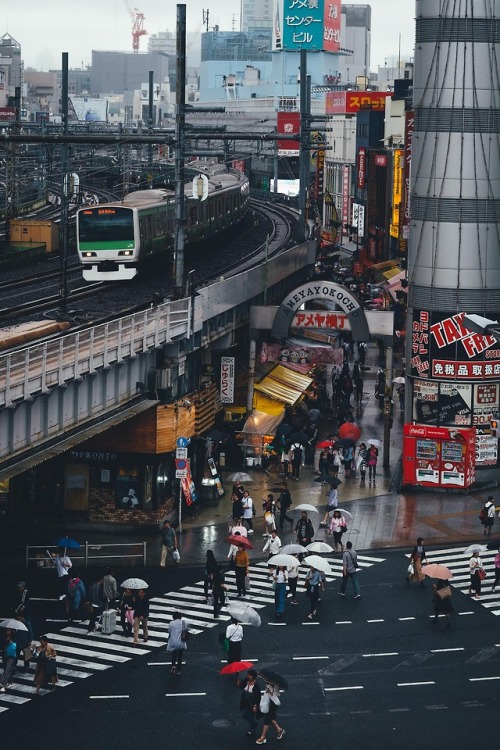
<point x="303" y="24"/>
<point x="182" y="442"/>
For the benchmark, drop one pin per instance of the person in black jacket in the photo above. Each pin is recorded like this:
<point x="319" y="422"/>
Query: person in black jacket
<point x="284" y="503"/>
<point x="304" y="530"/>
<point x="250" y="700"/>
<point x="141" y="614"/>
<point x="219" y="590"/>
<point x="210" y="571"/>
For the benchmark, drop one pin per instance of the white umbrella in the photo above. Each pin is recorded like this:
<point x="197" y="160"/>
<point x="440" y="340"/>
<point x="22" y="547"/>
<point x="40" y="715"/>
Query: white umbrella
<point x="292" y="549"/>
<point x="314" y="561"/>
<point x="283" y="559"/>
<point x="239" y="476"/>
<point x="399" y="381"/>
<point x="239" y="529"/>
<point x="475" y="548"/>
<point x="305" y="506"/>
<point x="341" y="511"/>
<point x="319" y="547"/>
<point x="134" y="583"/>
<point x="15" y="624"/>
<point x="244" y="613"/>
<point x="373" y="441"/>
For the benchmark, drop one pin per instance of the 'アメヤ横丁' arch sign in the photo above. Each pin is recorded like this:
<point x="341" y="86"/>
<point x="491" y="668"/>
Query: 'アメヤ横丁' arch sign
<point x="330" y="292"/>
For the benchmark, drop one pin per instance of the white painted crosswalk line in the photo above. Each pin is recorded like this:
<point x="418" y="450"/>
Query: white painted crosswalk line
<point x="64" y="648"/>
<point x="80" y="663"/>
<point x="96" y="643"/>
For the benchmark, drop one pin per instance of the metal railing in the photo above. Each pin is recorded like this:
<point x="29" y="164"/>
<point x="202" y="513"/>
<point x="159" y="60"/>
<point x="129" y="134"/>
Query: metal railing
<point x="89" y="554"/>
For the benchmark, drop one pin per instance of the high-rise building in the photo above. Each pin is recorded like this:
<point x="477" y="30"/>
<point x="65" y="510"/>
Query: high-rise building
<point x="10" y="52"/>
<point x="256" y="14"/>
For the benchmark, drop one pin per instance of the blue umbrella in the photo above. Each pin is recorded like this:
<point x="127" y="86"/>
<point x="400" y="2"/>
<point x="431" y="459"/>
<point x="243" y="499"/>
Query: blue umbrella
<point x="68" y="543"/>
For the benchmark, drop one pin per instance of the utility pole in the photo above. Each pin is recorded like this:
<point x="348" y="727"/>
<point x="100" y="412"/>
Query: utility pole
<point x="179" y="174"/>
<point x="304" y="155"/>
<point x="63" y="253"/>
<point x="150" y="125"/>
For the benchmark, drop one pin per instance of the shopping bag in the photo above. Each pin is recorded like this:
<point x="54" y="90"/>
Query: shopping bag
<point x="444" y="593"/>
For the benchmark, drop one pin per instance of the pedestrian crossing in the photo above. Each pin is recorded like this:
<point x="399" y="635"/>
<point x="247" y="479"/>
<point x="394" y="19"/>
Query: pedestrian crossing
<point x="80" y="654"/>
<point x="458" y="562"/>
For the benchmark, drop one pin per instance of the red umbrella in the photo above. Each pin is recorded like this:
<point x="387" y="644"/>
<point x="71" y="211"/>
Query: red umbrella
<point x="236" y="666"/>
<point x="350" y="431"/>
<point x="240" y="541"/>
<point x="325" y="444"/>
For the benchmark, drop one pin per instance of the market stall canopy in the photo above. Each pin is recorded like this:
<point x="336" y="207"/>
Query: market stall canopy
<point x="260" y="423"/>
<point x="283" y="384"/>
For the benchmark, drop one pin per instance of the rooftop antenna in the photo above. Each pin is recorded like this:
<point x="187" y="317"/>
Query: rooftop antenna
<point x="206" y="14"/>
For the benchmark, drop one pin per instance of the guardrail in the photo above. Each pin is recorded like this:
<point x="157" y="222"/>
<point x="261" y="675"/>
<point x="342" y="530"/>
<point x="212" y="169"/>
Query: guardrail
<point x="40" y="367"/>
<point x="88" y="554"/>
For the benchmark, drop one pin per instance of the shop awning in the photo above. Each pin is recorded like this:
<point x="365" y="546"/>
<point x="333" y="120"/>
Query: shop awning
<point x="260" y="423"/>
<point x="57" y="447"/>
<point x="284" y="385"/>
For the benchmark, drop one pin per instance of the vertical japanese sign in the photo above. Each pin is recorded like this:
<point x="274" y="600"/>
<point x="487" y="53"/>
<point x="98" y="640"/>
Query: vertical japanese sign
<point x="227" y="380"/>
<point x="405" y="213"/>
<point x="397" y="192"/>
<point x="361" y="167"/>
<point x="288" y="123"/>
<point x="331" y="25"/>
<point x="320" y="178"/>
<point x="303" y="24"/>
<point x="345" y="193"/>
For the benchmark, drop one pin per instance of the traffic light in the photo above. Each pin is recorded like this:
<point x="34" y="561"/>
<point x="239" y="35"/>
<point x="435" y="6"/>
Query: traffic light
<point x="494" y="428"/>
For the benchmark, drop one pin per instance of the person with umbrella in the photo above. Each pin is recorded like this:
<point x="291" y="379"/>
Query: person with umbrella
<point x="477" y="573"/>
<point x="361" y="459"/>
<point x="177" y="641"/>
<point x="280" y="579"/>
<point x="141" y="614"/>
<point x="304" y="530"/>
<point x="312" y="583"/>
<point x="442" y="601"/>
<point x="63" y="565"/>
<point x="371" y="462"/>
<point x="9" y="660"/>
<point x="234" y="635"/>
<point x="250" y="700"/>
<point x="24" y="637"/>
<point x="270" y="716"/>
<point x="338" y="526"/>
<point x="126" y="608"/>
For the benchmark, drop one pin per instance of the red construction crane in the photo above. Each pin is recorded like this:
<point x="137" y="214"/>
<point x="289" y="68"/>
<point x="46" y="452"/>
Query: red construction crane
<point x="138" y="29"/>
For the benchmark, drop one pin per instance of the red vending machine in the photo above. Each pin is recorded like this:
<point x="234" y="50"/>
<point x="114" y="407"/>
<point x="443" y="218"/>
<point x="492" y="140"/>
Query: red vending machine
<point x="439" y="456"/>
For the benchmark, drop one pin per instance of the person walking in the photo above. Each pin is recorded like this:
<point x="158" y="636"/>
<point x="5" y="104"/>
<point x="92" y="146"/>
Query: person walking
<point x="280" y="579"/>
<point x="296" y="456"/>
<point x="211" y="567"/>
<point x="126" y="608"/>
<point x="273" y="544"/>
<point x="234" y="635"/>
<point x="63" y="565"/>
<point x="177" y="641"/>
<point x="361" y="459"/>
<point x="489" y="515"/>
<point x="219" y="590"/>
<point x="250" y="700"/>
<point x="76" y="597"/>
<point x="241" y="569"/>
<point x="94" y="604"/>
<point x="442" y="601"/>
<point x="46" y="666"/>
<point x="109" y="590"/>
<point x="304" y="530"/>
<point x="417" y="559"/>
<point x="323" y="466"/>
<point x="371" y="462"/>
<point x="141" y="614"/>
<point x="22" y="606"/>
<point x="477" y="573"/>
<point x="9" y="660"/>
<point x="338" y="526"/>
<point x="271" y="715"/>
<point x="248" y="511"/>
<point x="237" y="506"/>
<point x="284" y="503"/>
<point x="168" y="540"/>
<point x="497" y="571"/>
<point x="312" y="583"/>
<point x="350" y="571"/>
<point x="332" y="501"/>
<point x="24" y="639"/>
<point x="293" y="579"/>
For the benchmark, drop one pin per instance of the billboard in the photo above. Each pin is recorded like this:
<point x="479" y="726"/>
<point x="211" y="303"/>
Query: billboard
<point x="288" y="123"/>
<point x="397" y="191"/>
<point x="350" y="102"/>
<point x="361" y="167"/>
<point x="307" y="24"/>
<point x="405" y="212"/>
<point x="7" y="114"/>
<point x="227" y="380"/>
<point x="89" y="109"/>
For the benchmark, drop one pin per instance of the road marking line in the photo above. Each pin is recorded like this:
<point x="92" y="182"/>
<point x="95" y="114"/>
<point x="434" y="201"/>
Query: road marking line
<point x="398" y="710"/>
<point x="310" y="623"/>
<point x="465" y="613"/>
<point x="445" y="650"/>
<point x="375" y="621"/>
<point x="106" y="697"/>
<point x="48" y="619"/>
<point x="343" y="622"/>
<point x="481" y="679"/>
<point x="403" y="619"/>
<point x="389" y="653"/>
<point x="305" y="658"/>
<point x="224" y="661"/>
<point x="276" y="623"/>
<point x="411" y="684"/>
<point x="353" y="687"/>
<point x="180" y="695"/>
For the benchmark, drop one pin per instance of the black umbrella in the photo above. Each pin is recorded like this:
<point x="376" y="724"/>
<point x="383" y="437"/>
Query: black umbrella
<point x="298" y="437"/>
<point x="216" y="436"/>
<point x="283" y="429"/>
<point x="493" y="545"/>
<point x="273" y="678"/>
<point x="333" y="481"/>
<point x="346" y="443"/>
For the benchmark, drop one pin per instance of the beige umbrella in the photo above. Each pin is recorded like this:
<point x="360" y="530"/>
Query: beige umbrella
<point x="314" y="561"/>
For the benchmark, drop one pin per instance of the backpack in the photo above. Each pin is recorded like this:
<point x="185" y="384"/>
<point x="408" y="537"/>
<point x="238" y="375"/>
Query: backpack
<point x="483" y="515"/>
<point x="297" y="453"/>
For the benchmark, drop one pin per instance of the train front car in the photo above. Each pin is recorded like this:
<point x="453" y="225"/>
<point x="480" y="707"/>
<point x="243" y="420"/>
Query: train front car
<point x="108" y="242"/>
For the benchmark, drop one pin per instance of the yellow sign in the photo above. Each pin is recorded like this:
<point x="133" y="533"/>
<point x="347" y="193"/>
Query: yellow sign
<point x="397" y="191"/>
